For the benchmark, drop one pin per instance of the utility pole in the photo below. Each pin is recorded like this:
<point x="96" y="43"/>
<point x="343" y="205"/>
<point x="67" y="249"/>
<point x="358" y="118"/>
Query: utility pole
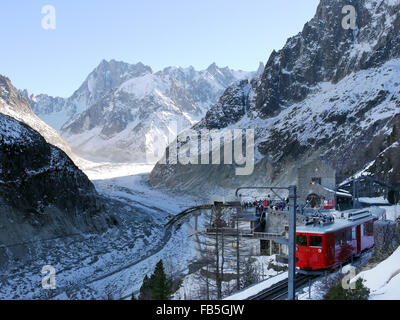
<point x="354" y="193"/>
<point x="218" y="279"/>
<point x="335" y="198"/>
<point x="237" y="252"/>
<point x="292" y="242"/>
<point x="292" y="232"/>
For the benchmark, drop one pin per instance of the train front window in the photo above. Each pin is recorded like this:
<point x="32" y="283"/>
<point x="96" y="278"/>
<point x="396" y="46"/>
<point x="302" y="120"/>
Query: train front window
<point x="316" y="241"/>
<point x="301" y="240"/>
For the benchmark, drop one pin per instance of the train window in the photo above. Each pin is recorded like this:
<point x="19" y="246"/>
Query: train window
<point x="343" y="239"/>
<point x="301" y="240"/>
<point x="353" y="234"/>
<point x="370" y="229"/>
<point x="315" y="241"/>
<point x="362" y="230"/>
<point x="337" y="240"/>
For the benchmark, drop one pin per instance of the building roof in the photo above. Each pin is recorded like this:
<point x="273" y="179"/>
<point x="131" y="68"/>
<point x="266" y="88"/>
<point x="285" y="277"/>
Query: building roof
<point x="340" y="193"/>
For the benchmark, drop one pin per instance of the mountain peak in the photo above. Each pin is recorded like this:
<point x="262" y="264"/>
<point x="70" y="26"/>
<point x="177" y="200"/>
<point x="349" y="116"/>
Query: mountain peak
<point x="11" y="96"/>
<point x="260" y="69"/>
<point x="5" y="82"/>
<point x="115" y="64"/>
<point x="15" y="104"/>
<point x="212" y="68"/>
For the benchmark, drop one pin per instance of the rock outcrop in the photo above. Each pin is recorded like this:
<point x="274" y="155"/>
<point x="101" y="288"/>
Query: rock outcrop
<point x="43" y="194"/>
<point x="14" y="104"/>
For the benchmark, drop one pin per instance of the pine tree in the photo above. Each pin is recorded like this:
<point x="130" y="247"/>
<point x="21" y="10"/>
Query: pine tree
<point x="359" y="293"/>
<point x="158" y="286"/>
<point x="250" y="275"/>
<point x="161" y="287"/>
<point x="337" y="292"/>
<point x="145" y="290"/>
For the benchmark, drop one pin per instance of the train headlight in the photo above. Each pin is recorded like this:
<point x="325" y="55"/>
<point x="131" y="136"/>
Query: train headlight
<point x="297" y="249"/>
<point x="319" y="250"/>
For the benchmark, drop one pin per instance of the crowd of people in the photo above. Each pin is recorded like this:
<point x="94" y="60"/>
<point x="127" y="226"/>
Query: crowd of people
<point x="262" y="205"/>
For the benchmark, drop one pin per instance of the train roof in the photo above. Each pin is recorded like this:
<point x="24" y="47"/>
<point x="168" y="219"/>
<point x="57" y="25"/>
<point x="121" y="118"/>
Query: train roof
<point x="351" y="218"/>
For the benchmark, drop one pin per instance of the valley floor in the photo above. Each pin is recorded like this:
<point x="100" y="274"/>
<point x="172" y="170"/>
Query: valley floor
<point x="112" y="265"/>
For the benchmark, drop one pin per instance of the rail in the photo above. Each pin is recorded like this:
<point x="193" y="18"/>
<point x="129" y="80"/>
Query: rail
<point x="280" y="290"/>
<point x="187" y="212"/>
<point x="190" y="210"/>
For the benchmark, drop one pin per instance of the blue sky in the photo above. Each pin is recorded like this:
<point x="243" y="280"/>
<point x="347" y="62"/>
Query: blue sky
<point x="159" y="33"/>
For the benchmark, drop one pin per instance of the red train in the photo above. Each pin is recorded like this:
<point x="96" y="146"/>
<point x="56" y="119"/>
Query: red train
<point x="326" y="243"/>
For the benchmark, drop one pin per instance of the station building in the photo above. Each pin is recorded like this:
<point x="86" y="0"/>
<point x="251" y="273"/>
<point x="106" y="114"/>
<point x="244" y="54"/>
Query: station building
<point x="316" y="185"/>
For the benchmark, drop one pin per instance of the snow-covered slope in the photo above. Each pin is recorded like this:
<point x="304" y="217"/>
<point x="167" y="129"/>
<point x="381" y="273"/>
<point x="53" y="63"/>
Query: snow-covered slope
<point x="384" y="279"/>
<point x="330" y="93"/>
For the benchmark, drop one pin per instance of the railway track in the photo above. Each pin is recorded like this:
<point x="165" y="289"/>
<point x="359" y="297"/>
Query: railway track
<point x="280" y="289"/>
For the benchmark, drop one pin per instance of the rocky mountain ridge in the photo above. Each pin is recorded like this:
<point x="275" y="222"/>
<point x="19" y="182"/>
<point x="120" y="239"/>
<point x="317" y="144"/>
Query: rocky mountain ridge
<point x="329" y="93"/>
<point x="12" y="103"/>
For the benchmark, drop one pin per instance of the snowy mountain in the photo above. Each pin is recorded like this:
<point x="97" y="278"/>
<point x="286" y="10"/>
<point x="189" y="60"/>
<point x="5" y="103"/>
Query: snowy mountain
<point x="55" y="111"/>
<point x="122" y="111"/>
<point x="12" y="103"/>
<point x="329" y="92"/>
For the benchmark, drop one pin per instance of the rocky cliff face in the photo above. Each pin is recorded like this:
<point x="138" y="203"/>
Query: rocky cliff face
<point x="325" y="51"/>
<point x="42" y="193"/>
<point x="386" y="164"/>
<point x="328" y="93"/>
<point x="13" y="103"/>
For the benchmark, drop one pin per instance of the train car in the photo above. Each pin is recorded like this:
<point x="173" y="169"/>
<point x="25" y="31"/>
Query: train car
<point x="327" y="242"/>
